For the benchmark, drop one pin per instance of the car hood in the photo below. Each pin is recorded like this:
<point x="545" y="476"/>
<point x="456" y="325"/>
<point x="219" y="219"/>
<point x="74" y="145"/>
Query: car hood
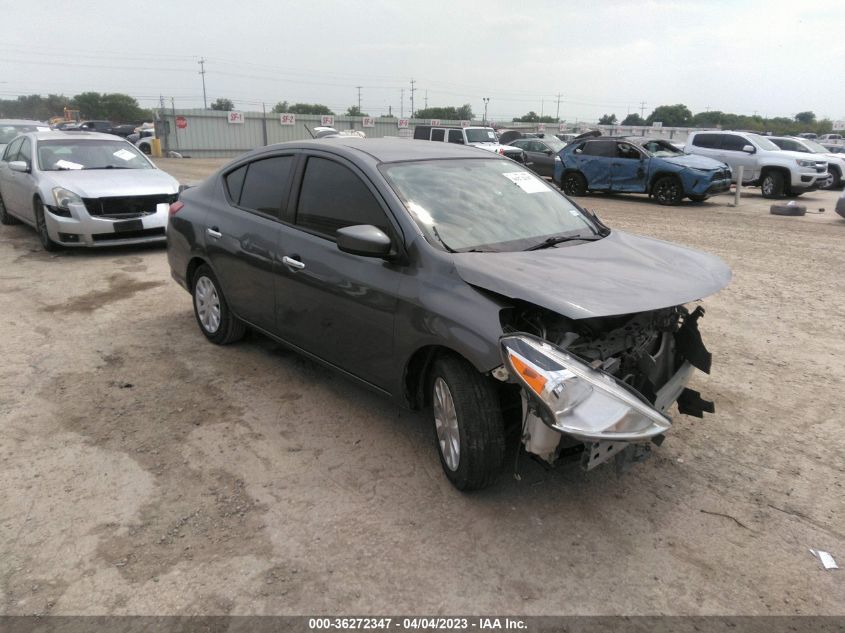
<point x="619" y="274"/>
<point x="103" y="183"/>
<point x="695" y="161"/>
<point x="495" y="147"/>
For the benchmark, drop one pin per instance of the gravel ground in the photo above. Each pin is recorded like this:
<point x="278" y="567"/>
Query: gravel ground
<point x="146" y="471"/>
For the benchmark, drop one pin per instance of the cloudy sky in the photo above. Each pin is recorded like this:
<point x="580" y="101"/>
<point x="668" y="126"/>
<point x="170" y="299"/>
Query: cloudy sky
<point x="773" y="57"/>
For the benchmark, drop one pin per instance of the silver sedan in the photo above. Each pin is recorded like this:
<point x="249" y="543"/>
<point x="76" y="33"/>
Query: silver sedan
<point x="84" y="189"/>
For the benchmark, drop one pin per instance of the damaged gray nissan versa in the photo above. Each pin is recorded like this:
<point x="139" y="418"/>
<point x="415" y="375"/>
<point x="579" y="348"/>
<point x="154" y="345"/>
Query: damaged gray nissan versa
<point x="452" y="279"/>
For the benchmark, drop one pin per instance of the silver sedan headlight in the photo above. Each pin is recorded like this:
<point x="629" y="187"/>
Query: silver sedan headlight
<point x="65" y="197"/>
<point x="577" y="399"/>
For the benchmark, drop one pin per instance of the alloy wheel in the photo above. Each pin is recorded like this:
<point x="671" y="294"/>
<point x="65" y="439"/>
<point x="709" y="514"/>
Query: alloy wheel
<point x="446" y="424"/>
<point x="208" y="304"/>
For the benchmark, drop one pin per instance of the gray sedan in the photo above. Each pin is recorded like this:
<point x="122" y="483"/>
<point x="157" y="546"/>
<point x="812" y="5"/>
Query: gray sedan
<point x="84" y="189"/>
<point x="541" y="153"/>
<point x="454" y="279"/>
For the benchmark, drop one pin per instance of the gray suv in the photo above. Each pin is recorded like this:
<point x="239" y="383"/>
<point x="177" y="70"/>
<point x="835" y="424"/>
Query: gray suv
<point x="777" y="172"/>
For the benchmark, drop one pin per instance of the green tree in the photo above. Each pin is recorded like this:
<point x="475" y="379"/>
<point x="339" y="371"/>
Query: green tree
<point x="708" y="119"/>
<point x="807" y="118"/>
<point x="223" y="104"/>
<point x="448" y="113"/>
<point x="608" y="119"/>
<point x="90" y="105"/>
<point x="677" y="115"/>
<point x="354" y="111"/>
<point x="633" y="119"/>
<point x="281" y="107"/>
<point x="309" y="108"/>
<point x="121" y="107"/>
<point x="533" y="117"/>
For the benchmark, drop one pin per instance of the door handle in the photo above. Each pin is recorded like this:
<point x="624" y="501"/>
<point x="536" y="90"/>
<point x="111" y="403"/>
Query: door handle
<point x="293" y="264"/>
<point x="214" y="232"/>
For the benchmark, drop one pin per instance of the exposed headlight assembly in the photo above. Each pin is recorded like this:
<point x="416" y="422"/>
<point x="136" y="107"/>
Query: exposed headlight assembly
<point x="806" y="163"/>
<point x="64" y="198"/>
<point x="575" y="398"/>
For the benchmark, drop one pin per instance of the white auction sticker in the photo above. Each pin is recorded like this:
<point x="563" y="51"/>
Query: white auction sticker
<point x="66" y="164"/>
<point x="125" y="154"/>
<point x="526" y="182"/>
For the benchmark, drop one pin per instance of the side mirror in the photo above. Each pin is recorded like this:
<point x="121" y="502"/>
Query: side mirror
<point x="19" y="165"/>
<point x="748" y="149"/>
<point x="578" y="151"/>
<point x="363" y="239"/>
<point x="549" y="152"/>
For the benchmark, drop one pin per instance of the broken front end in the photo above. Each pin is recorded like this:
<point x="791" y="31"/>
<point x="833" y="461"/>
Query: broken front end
<point x="602" y="386"/>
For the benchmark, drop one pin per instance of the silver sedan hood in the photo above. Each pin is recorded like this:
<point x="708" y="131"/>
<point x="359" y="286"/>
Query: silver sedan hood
<point x="620" y="274"/>
<point x="104" y="183"/>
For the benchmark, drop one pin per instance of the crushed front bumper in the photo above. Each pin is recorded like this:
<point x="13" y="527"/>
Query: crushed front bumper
<point x="82" y="229"/>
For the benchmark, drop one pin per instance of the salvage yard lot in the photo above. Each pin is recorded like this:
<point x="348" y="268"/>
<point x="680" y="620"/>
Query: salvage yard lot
<point x="144" y="470"/>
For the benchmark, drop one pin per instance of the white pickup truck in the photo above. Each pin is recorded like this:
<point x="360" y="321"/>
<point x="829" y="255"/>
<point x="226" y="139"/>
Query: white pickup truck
<point x="482" y="137"/>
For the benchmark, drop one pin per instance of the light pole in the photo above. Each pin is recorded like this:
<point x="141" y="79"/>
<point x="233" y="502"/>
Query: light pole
<point x="486" y="100"/>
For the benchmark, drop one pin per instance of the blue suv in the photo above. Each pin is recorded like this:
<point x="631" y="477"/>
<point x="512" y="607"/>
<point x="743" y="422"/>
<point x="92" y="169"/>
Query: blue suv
<point x="639" y="165"/>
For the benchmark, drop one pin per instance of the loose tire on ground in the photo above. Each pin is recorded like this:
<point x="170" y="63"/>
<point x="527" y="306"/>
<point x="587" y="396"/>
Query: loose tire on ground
<point x="773" y="185"/>
<point x="782" y="208"/>
<point x="41" y="227"/>
<point x="212" y="312"/>
<point x="5" y="217"/>
<point x="668" y="191"/>
<point x="468" y="425"/>
<point x="574" y="184"/>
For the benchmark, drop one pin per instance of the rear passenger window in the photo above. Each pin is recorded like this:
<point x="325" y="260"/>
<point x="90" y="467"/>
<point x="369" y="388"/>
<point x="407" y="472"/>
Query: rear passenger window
<point x="733" y="143"/>
<point x="333" y="197"/>
<point x="266" y="184"/>
<point x="709" y="141"/>
<point x="456" y="136"/>
<point x="235" y="182"/>
<point x="438" y="135"/>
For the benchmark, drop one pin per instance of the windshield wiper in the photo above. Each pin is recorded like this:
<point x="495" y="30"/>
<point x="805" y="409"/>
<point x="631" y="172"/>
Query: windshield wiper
<point x="560" y="239"/>
<point x="109" y="167"/>
<point x="449" y="249"/>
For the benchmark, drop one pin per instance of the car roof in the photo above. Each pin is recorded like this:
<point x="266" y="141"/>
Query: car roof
<point x="53" y="135"/>
<point x="385" y="150"/>
<point x="22" y="122"/>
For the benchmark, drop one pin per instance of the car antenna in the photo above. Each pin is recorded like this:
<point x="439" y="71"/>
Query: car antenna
<point x="440" y="239"/>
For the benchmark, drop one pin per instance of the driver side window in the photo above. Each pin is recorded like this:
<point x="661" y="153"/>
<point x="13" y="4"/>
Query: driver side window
<point x="12" y="151"/>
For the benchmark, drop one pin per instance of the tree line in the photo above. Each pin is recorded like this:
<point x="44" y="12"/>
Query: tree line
<point x="113" y="106"/>
<point x="679" y="115"/>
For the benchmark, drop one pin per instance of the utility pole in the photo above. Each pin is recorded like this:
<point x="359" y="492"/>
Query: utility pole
<point x="557" y="111"/>
<point x="201" y="62"/>
<point x="642" y="109"/>
<point x="542" y="106"/>
<point x="426" y="98"/>
<point x="412" y="97"/>
<point x="359" y="98"/>
<point x="486" y="101"/>
<point x="402" y="104"/>
<point x="390" y="110"/>
<point x="176" y="129"/>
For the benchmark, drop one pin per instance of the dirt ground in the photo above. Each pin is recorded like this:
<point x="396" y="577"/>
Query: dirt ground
<point x="146" y="471"/>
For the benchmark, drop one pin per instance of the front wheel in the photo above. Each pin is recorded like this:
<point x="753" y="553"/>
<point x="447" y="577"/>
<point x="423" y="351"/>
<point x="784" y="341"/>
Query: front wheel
<point x="468" y="423"/>
<point x="835" y="180"/>
<point x="574" y="184"/>
<point x="41" y="226"/>
<point x="215" y="319"/>
<point x="772" y="185"/>
<point x="668" y="191"/>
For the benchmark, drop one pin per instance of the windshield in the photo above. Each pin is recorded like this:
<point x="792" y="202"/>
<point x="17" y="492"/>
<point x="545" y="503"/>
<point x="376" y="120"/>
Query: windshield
<point x="58" y="155"/>
<point x="483" y="204"/>
<point x="661" y="149"/>
<point x="481" y="135"/>
<point x="9" y="132"/>
<point x="816" y="148"/>
<point x="762" y="142"/>
<point x="555" y="144"/>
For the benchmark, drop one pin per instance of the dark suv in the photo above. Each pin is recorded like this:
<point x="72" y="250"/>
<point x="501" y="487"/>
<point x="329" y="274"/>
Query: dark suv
<point x="639" y="165"/>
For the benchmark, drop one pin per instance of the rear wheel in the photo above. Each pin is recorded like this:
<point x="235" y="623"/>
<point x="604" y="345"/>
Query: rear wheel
<point x="668" y="191"/>
<point x="772" y="185"/>
<point x="41" y="227"/>
<point x="215" y="319"/>
<point x="574" y="184"/>
<point x="5" y="217"/>
<point x="468" y="424"/>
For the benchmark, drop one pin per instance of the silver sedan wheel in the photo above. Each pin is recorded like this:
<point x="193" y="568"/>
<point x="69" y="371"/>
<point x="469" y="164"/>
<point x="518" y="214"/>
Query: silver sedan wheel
<point x="446" y="424"/>
<point x="208" y="304"/>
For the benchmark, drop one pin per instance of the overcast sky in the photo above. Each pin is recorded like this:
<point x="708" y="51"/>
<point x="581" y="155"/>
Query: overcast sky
<point x="773" y="57"/>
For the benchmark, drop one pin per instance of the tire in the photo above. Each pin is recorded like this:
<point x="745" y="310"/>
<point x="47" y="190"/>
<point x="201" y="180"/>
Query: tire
<point x="212" y="312"/>
<point x="41" y="227"/>
<point x="468" y="425"/>
<point x="145" y="148"/>
<point x="5" y="217"/>
<point x="772" y="185"/>
<point x="794" y="194"/>
<point x="695" y="198"/>
<point x="781" y="208"/>
<point x="668" y="191"/>
<point x="574" y="184"/>
<point x="835" y="181"/>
